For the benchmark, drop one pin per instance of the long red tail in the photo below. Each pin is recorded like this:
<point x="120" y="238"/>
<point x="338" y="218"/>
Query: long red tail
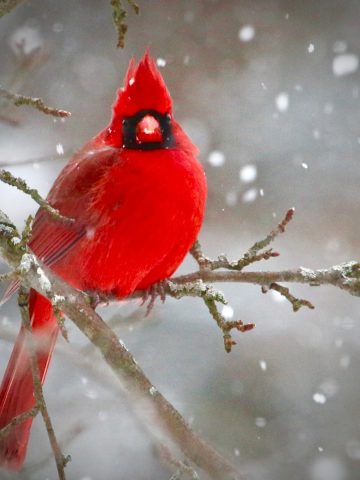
<point x="17" y="389"/>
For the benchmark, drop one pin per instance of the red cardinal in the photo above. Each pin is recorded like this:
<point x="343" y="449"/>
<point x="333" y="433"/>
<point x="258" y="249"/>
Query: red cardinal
<point x="137" y="193"/>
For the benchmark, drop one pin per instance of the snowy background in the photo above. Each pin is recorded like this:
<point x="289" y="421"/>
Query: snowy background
<point x="269" y="90"/>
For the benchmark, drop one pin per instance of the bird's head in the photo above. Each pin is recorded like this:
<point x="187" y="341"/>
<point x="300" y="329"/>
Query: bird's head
<point x="142" y="112"/>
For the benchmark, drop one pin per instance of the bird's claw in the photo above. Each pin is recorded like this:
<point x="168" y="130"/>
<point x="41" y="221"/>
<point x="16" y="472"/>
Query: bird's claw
<point x="97" y="298"/>
<point x="152" y="293"/>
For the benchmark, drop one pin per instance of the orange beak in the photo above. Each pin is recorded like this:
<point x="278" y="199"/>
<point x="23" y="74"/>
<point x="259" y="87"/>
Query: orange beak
<point x="148" y="130"/>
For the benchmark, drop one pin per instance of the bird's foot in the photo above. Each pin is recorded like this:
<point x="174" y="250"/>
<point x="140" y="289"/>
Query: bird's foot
<point x="97" y="298"/>
<point x="152" y="293"/>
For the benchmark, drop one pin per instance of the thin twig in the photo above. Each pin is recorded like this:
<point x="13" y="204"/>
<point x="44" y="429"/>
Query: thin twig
<point x="7" y="5"/>
<point x="226" y="325"/>
<point x="210" y="296"/>
<point x="26" y="233"/>
<point x="35" y="102"/>
<point x="75" y="430"/>
<point x="61" y="321"/>
<point x="20" y="184"/>
<point x="61" y="461"/>
<point x="18" y="420"/>
<point x="296" y="303"/>
<point x="119" y="15"/>
<point x="251" y="256"/>
<point x="273" y="234"/>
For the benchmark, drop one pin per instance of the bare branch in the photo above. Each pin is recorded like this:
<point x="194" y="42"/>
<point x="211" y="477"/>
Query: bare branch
<point x="345" y="276"/>
<point x="35" y="102"/>
<point x="61" y="461"/>
<point x="119" y="15"/>
<point x="20" y="184"/>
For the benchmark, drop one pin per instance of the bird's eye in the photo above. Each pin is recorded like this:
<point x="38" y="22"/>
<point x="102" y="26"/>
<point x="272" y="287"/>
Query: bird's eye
<point x="148" y="130"/>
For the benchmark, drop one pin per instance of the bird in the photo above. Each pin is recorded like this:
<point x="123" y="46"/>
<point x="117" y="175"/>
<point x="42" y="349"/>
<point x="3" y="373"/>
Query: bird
<point x="137" y="194"/>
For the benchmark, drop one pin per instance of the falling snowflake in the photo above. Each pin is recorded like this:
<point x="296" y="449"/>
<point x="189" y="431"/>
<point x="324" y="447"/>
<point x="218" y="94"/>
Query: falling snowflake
<point x="319" y="398"/>
<point x="227" y="312"/>
<point x="161" y="62"/>
<point x="345" y="64"/>
<point x="282" y="102"/>
<point x="248" y="173"/>
<point x="216" y="158"/>
<point x="250" y="195"/>
<point x="311" y="48"/>
<point x="246" y="33"/>
<point x="260" y="422"/>
<point x="59" y="149"/>
<point x="263" y="365"/>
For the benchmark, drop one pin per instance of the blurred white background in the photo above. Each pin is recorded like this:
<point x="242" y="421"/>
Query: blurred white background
<point x="269" y="90"/>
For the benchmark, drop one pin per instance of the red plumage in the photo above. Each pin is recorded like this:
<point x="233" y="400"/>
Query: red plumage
<point x="138" y="198"/>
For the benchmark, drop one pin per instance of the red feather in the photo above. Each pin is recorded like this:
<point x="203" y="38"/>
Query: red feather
<point x="137" y="210"/>
<point x="17" y="390"/>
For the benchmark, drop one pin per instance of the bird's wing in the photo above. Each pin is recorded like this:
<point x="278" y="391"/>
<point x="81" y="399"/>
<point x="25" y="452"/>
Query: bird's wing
<point x="71" y="193"/>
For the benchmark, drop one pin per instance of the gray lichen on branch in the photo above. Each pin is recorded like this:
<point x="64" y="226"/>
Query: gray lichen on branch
<point x="345" y="276"/>
<point x="35" y="102"/>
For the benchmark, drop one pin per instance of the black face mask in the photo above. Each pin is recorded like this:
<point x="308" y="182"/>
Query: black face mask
<point x="130" y="124"/>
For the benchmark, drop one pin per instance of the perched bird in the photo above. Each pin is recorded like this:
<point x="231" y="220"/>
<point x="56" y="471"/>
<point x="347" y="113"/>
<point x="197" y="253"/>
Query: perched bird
<point x="137" y="193"/>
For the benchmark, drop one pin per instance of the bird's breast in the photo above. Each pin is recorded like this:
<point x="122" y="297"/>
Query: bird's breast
<point x="148" y="215"/>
